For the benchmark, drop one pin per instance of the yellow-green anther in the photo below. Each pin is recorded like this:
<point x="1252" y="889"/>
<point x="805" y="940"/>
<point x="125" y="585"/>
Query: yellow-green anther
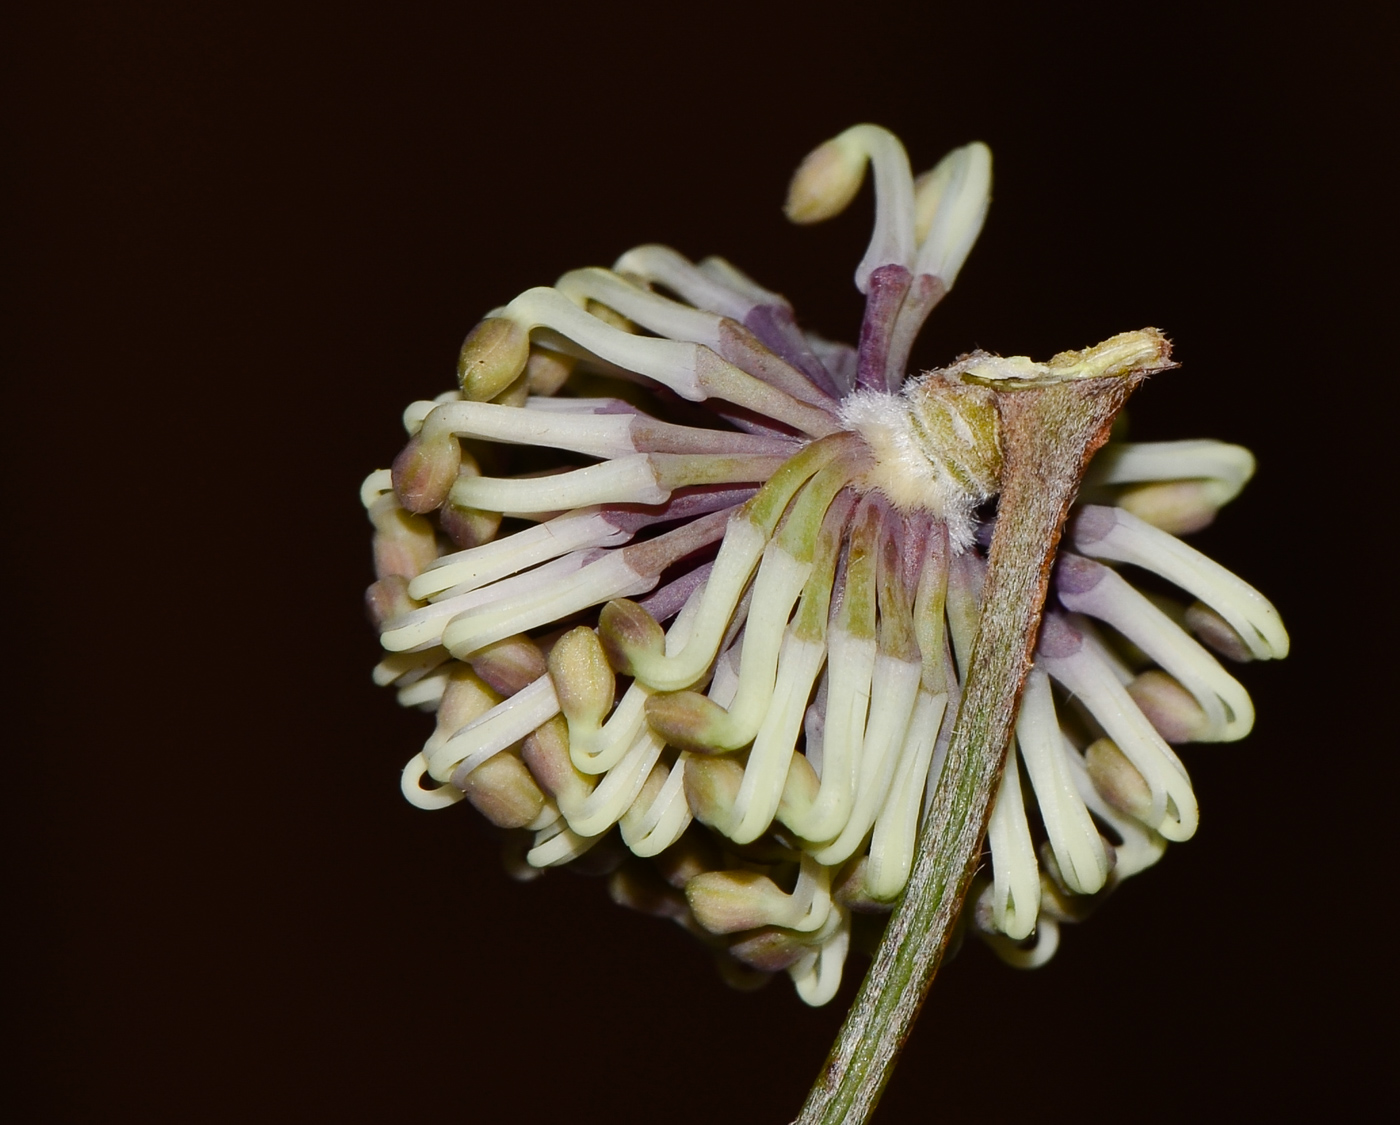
<point x="493" y="356"/>
<point x="1118" y="780"/>
<point x="711" y="786"/>
<point x="583" y="680"/>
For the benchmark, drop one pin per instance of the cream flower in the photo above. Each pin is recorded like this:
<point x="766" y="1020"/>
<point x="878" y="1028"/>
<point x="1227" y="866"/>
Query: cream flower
<point x="711" y="614"/>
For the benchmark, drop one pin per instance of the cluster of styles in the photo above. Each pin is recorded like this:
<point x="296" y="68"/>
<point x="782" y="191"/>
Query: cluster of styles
<point x="692" y="590"/>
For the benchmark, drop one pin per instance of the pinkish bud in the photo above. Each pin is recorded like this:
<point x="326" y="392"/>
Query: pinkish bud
<point x="711" y="788"/>
<point x="509" y="665"/>
<point x="626" y="629"/>
<point x="387" y="599"/>
<point x="726" y="902"/>
<point x="425" y="470"/>
<point x="502" y="791"/>
<point x="546" y="752"/>
<point x="1169" y="707"/>
<point x="769" y="949"/>
<point x="691" y="855"/>
<point x="1217" y="633"/>
<point x="1178" y="507"/>
<point x="404" y="544"/>
<point x="1117" y="779"/>
<point x="637" y="886"/>
<point x="687" y="719"/>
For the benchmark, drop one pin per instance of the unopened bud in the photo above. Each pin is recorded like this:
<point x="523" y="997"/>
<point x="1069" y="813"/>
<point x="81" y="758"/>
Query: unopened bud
<point x="726" y="902"/>
<point x="711" y="788"/>
<point x="1178" y="507"/>
<point x="1217" y="633"/>
<point x="547" y="371"/>
<point x="515" y="395"/>
<point x="694" y="853"/>
<point x="770" y="949"/>
<point x="503" y="791"/>
<point x="1170" y="707"/>
<point x="1057" y="901"/>
<point x="467" y="527"/>
<point x="628" y="630"/>
<point x="637" y="811"/>
<point x="583" y="679"/>
<point x="404" y="544"/>
<point x="739" y="976"/>
<point x="850" y="891"/>
<point x="1117" y="779"/>
<point x="492" y="358"/>
<point x="509" y="665"/>
<point x="609" y="316"/>
<point x="546" y="751"/>
<point x="387" y="599"/>
<point x="688" y="720"/>
<point x="637" y="886"/>
<point x="799" y="790"/>
<point x="1141" y="350"/>
<point x="425" y="470"/>
<point x="465" y="698"/>
<point x="826" y="181"/>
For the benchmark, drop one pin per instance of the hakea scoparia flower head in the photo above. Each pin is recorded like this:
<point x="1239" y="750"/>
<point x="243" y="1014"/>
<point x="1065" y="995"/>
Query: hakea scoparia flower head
<point x="704" y="622"/>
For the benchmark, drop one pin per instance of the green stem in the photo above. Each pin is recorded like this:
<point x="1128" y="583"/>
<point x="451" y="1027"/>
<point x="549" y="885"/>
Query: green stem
<point x="1049" y="433"/>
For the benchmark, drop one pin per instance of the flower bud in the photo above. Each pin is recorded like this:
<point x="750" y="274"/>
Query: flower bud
<point x="546" y="752"/>
<point x="547" y="371"/>
<point x="688" y="720"/>
<point x="637" y="886"/>
<point x="425" y="470"/>
<point x="1217" y="633"/>
<point x="465" y="698"/>
<point x="850" y="891"/>
<point x="387" y="599"/>
<point x="1117" y="779"/>
<point x="770" y="949"/>
<point x="711" y="788"/>
<point x="1177" y="507"/>
<point x="467" y="527"/>
<point x="691" y="855"/>
<point x="492" y="358"/>
<point x="404" y="544"/>
<point x="628" y="630"/>
<point x="509" y="665"/>
<point x="1170" y="707"/>
<point x="799" y="790"/>
<point x="726" y="902"/>
<point x="609" y="316"/>
<point x="583" y="679"/>
<point x="826" y="181"/>
<point x="637" y="811"/>
<point x="503" y="791"/>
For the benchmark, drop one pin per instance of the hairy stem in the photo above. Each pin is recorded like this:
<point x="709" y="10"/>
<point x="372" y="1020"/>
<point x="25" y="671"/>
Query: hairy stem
<point x="1049" y="434"/>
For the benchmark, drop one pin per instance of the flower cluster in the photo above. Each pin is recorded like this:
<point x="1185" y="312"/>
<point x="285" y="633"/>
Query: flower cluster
<point x="704" y="625"/>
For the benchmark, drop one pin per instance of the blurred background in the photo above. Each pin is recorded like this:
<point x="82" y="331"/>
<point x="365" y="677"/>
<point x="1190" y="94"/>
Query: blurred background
<point x="246" y="236"/>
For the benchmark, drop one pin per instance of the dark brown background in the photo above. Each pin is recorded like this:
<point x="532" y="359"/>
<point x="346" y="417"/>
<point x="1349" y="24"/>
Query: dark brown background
<point x="246" y="237"/>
